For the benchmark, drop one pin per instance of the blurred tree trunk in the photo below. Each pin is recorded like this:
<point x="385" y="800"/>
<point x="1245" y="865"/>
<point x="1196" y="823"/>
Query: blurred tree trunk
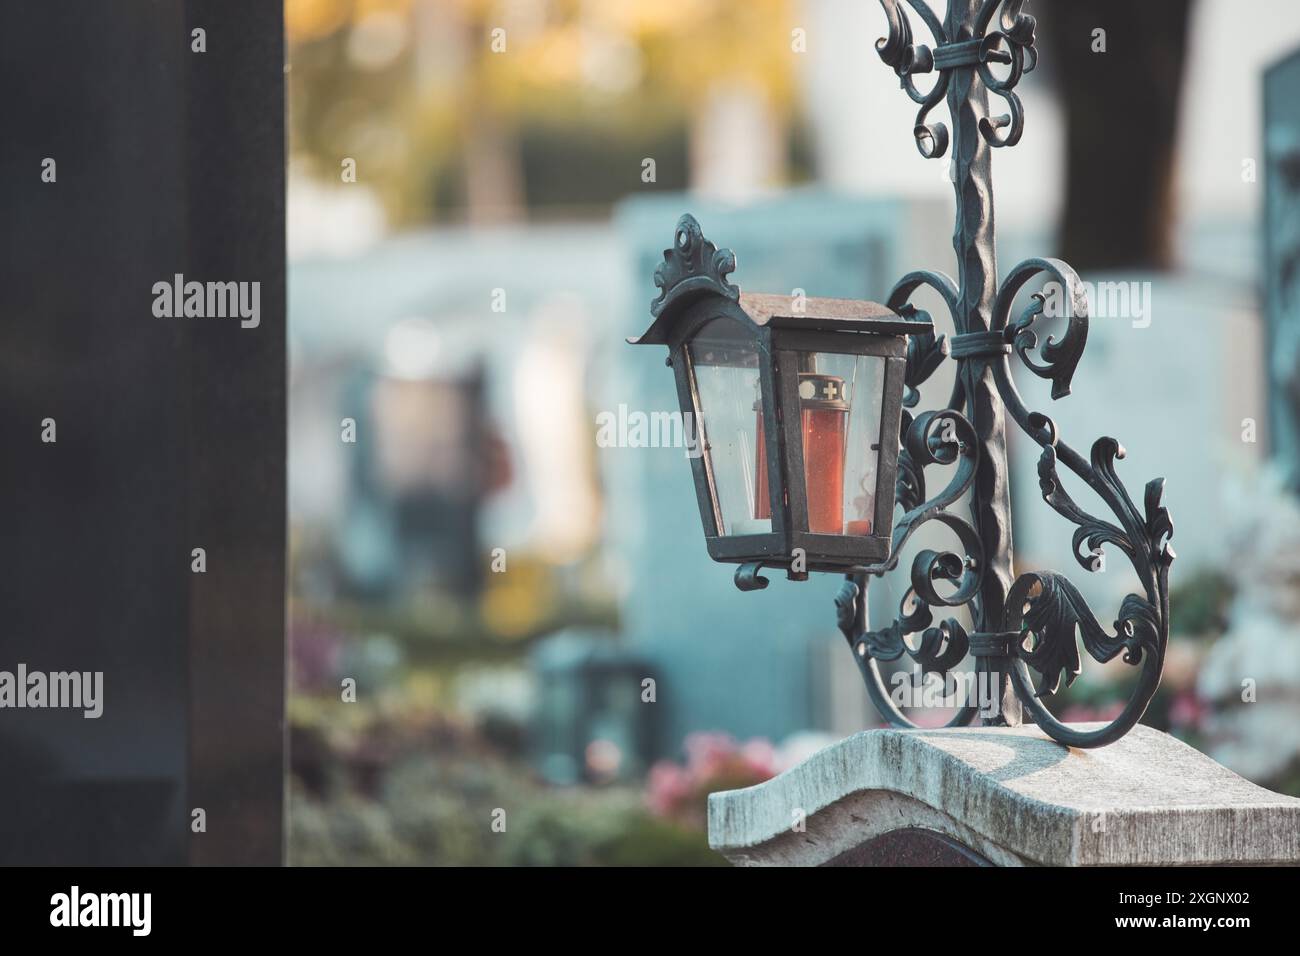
<point x="494" y="177"/>
<point x="1121" y="116"/>
<point x="492" y="165"/>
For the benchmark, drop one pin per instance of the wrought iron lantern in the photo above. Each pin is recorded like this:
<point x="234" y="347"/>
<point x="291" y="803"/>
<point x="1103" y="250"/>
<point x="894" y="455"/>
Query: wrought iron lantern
<point x="812" y="431"/>
<point x="795" y="403"/>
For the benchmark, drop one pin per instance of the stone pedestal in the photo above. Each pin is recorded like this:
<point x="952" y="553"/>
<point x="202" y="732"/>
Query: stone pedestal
<point x="1005" y="797"/>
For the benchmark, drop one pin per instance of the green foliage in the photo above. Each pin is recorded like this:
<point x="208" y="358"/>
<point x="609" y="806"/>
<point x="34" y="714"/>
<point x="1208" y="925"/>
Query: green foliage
<point x="391" y="786"/>
<point x="649" y="841"/>
<point x="436" y="813"/>
<point x="1198" y="603"/>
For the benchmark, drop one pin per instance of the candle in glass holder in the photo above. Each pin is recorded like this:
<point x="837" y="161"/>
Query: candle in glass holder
<point x="762" y="497"/>
<point x="825" y="415"/>
<point x="858" y="526"/>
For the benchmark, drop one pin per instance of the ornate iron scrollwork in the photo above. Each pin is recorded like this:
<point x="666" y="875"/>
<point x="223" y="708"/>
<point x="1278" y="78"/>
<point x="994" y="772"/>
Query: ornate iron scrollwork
<point x="1047" y="609"/>
<point x="1012" y="44"/>
<point x="1044" y="609"/>
<point x="1044" y="618"/>
<point x="940" y="437"/>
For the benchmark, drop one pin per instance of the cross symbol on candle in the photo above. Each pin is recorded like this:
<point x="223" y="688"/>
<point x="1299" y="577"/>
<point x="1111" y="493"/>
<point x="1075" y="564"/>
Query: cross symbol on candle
<point x="830" y="390"/>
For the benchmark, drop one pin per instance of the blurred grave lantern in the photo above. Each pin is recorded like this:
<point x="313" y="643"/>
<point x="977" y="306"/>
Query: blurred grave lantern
<point x="418" y="482"/>
<point x="794" y="404"/>
<point x="592" y="724"/>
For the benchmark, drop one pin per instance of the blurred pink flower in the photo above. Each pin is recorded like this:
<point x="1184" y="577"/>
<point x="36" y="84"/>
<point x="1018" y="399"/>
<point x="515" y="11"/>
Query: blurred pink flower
<point x="760" y="756"/>
<point x="1187" y="710"/>
<point x="667" y="786"/>
<point x="708" y="752"/>
<point x="314" y="651"/>
<point x="714" y="761"/>
<point x="1083" y="713"/>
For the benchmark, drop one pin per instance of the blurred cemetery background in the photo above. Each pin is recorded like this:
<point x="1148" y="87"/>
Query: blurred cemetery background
<point x="474" y="221"/>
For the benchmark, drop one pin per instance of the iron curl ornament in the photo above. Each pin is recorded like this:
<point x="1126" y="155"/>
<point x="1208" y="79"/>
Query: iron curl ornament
<point x="1032" y="623"/>
<point x="962" y="43"/>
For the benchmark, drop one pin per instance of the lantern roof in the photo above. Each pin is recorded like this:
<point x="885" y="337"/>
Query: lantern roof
<point x="694" y="268"/>
<point x="829" y="315"/>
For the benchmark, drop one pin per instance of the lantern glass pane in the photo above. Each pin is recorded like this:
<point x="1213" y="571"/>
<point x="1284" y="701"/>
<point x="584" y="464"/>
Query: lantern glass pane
<point x="725" y="364"/>
<point x="840" y="402"/>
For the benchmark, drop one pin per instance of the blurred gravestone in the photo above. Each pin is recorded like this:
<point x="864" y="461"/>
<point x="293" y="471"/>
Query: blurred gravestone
<point x="590" y="723"/>
<point x="1282" y="260"/>
<point x="1252" y="673"/>
<point x="170" y="431"/>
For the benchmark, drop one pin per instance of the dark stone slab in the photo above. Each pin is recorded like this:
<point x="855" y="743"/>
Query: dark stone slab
<point x="910" y="846"/>
<point x="170" y="431"/>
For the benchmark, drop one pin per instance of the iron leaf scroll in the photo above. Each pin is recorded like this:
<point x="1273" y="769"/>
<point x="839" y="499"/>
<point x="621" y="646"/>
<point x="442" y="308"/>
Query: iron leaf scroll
<point x="1038" y="621"/>
<point x="1010" y="44"/>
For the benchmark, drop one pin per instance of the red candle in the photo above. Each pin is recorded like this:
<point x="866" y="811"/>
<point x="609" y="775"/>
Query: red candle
<point x="762" y="497"/>
<point x="825" y="414"/>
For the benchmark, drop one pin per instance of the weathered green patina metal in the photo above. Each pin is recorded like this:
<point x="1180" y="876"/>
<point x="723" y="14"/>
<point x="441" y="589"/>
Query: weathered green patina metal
<point x="1033" y="621"/>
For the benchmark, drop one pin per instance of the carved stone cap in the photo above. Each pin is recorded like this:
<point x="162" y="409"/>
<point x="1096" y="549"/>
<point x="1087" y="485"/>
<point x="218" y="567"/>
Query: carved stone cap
<point x="1014" y="798"/>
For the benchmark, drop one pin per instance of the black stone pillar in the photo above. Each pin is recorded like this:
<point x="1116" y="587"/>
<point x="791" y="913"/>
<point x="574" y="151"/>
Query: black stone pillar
<point x="170" y="431"/>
